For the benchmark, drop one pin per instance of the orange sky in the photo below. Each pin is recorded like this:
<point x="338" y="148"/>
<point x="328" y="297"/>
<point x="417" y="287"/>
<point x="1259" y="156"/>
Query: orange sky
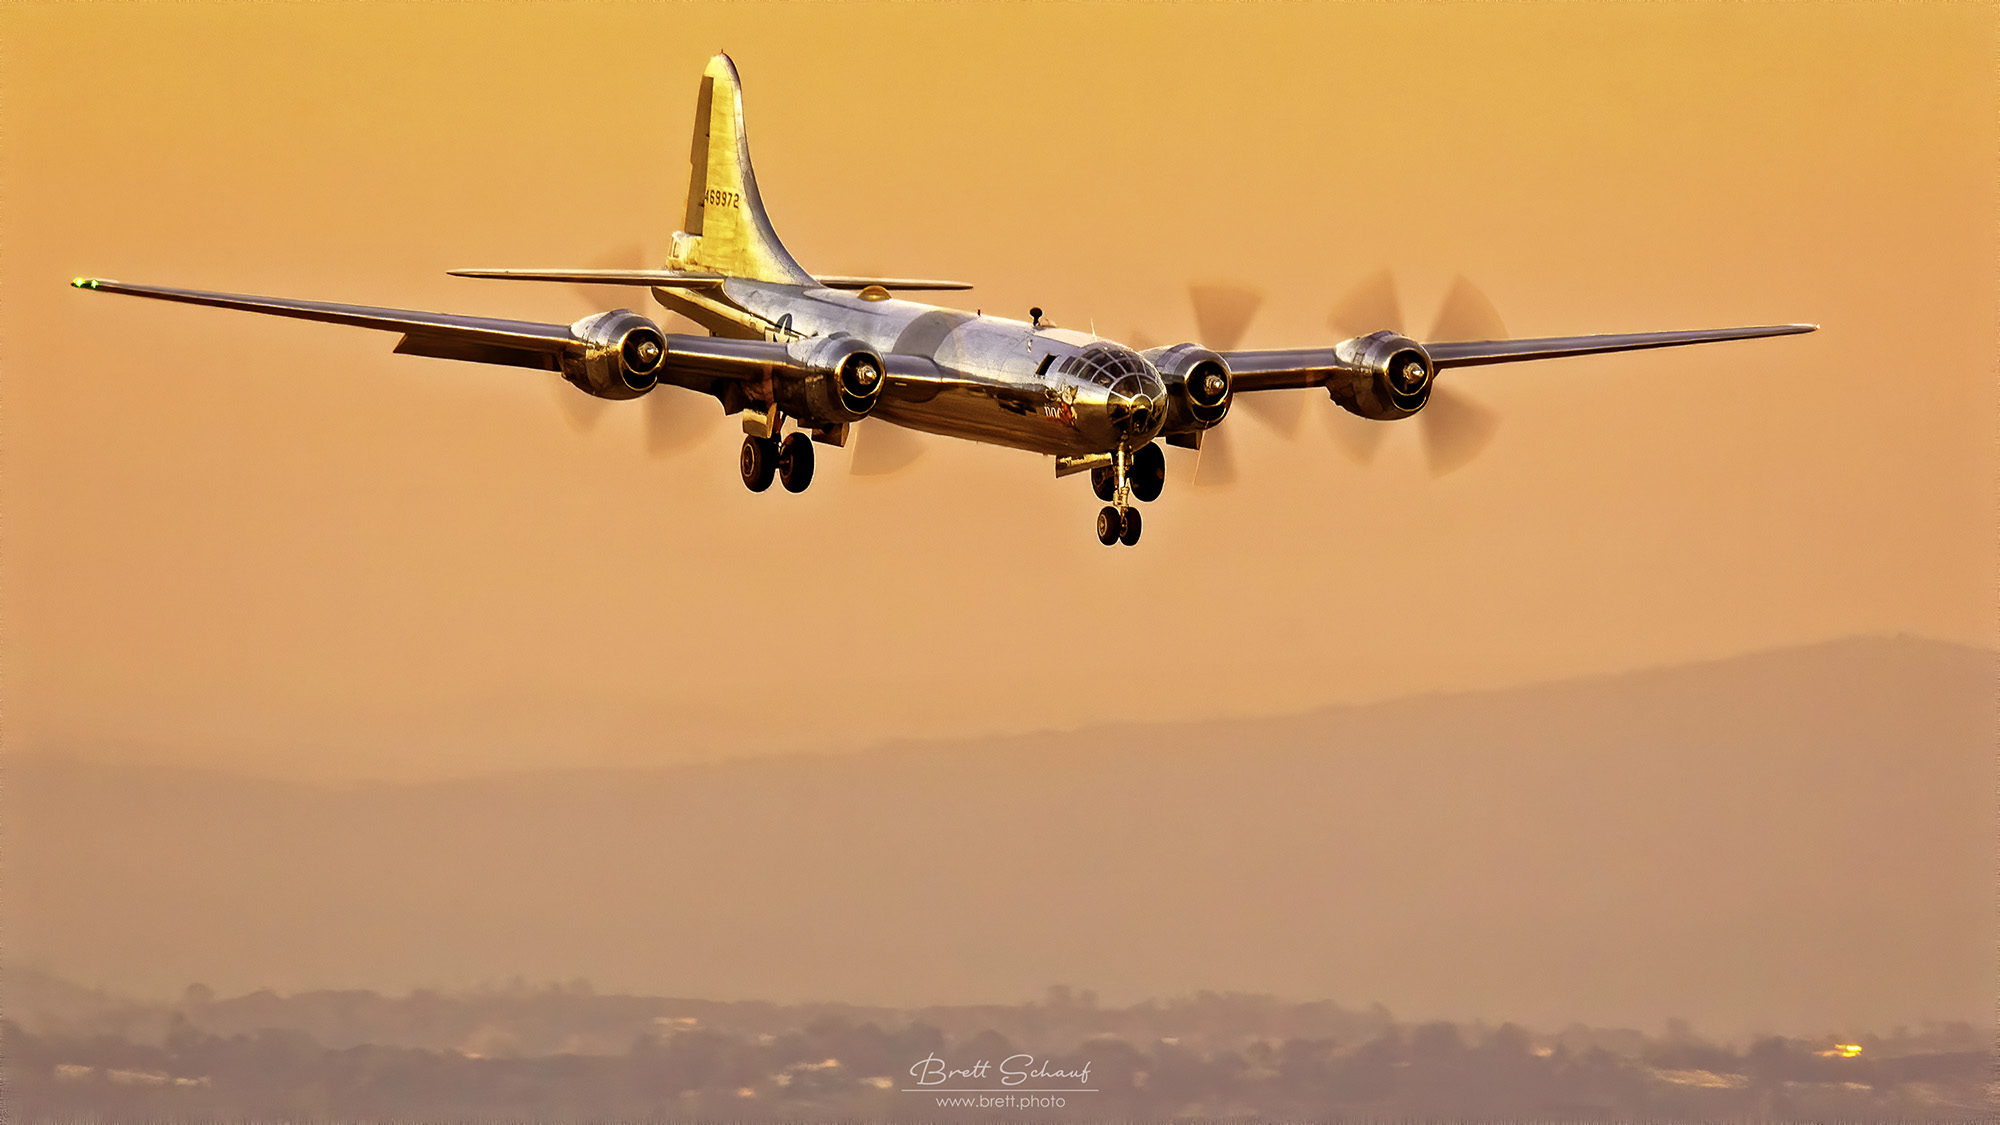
<point x="275" y="546"/>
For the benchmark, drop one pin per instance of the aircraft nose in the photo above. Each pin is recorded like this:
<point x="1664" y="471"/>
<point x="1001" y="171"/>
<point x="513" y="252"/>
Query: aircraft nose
<point x="1137" y="405"/>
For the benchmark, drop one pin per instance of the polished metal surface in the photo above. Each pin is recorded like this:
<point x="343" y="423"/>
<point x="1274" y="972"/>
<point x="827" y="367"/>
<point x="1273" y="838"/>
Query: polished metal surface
<point x="824" y="352"/>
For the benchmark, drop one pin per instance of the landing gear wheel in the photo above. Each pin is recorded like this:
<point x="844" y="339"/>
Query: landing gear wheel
<point x="759" y="463"/>
<point x="795" y="462"/>
<point x="1130" y="534"/>
<point x="1148" y="473"/>
<point x="1104" y="482"/>
<point x="1110" y="525"/>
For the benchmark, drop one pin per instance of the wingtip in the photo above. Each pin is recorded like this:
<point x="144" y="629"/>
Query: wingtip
<point x="83" y="282"/>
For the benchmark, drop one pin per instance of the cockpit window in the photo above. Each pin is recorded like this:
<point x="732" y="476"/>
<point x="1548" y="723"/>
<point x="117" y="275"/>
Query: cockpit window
<point x="1104" y="364"/>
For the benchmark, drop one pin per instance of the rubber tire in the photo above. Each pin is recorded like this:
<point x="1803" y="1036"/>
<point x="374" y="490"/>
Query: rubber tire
<point x="1130" y="533"/>
<point x="1148" y="473"/>
<point x="1110" y="525"/>
<point x="758" y="463"/>
<point x="1103" y="482"/>
<point x="795" y="462"/>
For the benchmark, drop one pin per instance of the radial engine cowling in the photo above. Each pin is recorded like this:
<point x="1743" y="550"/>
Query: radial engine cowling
<point x="1387" y="376"/>
<point x="619" y="354"/>
<point x="840" y="380"/>
<point x="1198" y="386"/>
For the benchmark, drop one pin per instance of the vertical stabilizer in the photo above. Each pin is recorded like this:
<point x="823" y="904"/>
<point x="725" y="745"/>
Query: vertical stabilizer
<point x="726" y="230"/>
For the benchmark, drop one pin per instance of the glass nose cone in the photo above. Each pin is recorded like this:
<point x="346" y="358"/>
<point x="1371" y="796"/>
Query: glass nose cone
<point x="1135" y="403"/>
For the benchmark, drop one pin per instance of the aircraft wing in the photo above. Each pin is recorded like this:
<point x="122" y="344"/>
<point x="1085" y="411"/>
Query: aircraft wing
<point x="516" y="343"/>
<point x="1312" y="367"/>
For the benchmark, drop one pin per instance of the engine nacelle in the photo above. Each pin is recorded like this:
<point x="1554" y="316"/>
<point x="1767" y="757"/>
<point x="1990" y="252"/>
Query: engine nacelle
<point x="1387" y="376"/>
<point x="841" y="382"/>
<point x="620" y="356"/>
<point x="1198" y="386"/>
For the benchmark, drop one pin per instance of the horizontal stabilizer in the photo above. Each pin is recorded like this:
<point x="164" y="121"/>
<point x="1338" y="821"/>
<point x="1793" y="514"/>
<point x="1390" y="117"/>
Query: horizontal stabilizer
<point x="663" y="279"/>
<point x="678" y="279"/>
<point x="838" y="281"/>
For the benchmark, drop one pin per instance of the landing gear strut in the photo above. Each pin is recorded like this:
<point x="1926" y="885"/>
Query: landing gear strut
<point x="1117" y="484"/>
<point x="1148" y="475"/>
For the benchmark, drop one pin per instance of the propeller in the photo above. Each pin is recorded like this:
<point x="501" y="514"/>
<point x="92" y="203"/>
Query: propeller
<point x="675" y="420"/>
<point x="1222" y="315"/>
<point x="581" y="410"/>
<point x="1215" y="461"/>
<point x="882" y="448"/>
<point x="1455" y="426"/>
<point x="584" y="411"/>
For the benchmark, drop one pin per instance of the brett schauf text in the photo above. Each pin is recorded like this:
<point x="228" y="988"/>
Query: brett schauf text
<point x="1013" y="1071"/>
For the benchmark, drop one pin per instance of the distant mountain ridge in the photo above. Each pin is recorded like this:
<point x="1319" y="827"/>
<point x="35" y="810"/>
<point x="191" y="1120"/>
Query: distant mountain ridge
<point x="1788" y="841"/>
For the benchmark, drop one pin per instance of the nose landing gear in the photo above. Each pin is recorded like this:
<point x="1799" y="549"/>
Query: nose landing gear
<point x="1110" y="525"/>
<point x="1117" y="526"/>
<point x="1135" y="475"/>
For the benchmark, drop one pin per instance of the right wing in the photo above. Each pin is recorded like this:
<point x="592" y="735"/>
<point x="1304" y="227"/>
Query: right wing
<point x="1555" y="347"/>
<point x="690" y="360"/>
<point x="1313" y="367"/>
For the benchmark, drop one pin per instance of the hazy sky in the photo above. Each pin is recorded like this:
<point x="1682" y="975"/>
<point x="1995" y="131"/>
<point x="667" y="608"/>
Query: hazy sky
<point x="276" y="546"/>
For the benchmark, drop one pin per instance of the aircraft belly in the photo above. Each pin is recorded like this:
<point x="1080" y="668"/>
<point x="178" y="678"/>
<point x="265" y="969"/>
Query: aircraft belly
<point x="991" y="414"/>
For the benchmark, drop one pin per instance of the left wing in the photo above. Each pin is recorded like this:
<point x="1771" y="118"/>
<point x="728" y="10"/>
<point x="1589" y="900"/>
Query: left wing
<point x="516" y="343"/>
<point x="1313" y="367"/>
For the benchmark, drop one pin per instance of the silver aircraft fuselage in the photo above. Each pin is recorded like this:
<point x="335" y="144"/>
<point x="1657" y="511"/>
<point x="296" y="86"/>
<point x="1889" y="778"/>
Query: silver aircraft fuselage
<point x="1005" y="382"/>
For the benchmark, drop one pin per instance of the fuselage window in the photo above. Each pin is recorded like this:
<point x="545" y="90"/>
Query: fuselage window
<point x="1044" y="368"/>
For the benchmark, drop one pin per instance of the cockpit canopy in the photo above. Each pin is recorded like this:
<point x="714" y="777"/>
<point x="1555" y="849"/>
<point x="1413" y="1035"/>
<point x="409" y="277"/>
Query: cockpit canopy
<point x="1105" y="363"/>
<point x="1135" y="398"/>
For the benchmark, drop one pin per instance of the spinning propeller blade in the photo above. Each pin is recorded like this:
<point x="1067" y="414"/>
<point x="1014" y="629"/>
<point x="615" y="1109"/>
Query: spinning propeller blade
<point x="676" y="421"/>
<point x="1455" y="426"/>
<point x="582" y="411"/>
<point x="1215" y="461"/>
<point x="883" y="448"/>
<point x="1370" y="306"/>
<point x="1222" y="313"/>
<point x="631" y="256"/>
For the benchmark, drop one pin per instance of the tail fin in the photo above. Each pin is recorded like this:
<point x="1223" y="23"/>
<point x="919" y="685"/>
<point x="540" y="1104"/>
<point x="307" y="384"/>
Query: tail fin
<point x="726" y="230"/>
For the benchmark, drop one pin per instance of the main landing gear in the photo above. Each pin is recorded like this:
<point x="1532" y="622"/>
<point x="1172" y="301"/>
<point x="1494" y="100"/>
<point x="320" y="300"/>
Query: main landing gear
<point x="789" y="461"/>
<point x="1138" y="475"/>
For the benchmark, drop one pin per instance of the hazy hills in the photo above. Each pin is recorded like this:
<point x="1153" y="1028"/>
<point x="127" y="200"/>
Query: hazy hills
<point x="563" y="1054"/>
<point x="1793" y="841"/>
